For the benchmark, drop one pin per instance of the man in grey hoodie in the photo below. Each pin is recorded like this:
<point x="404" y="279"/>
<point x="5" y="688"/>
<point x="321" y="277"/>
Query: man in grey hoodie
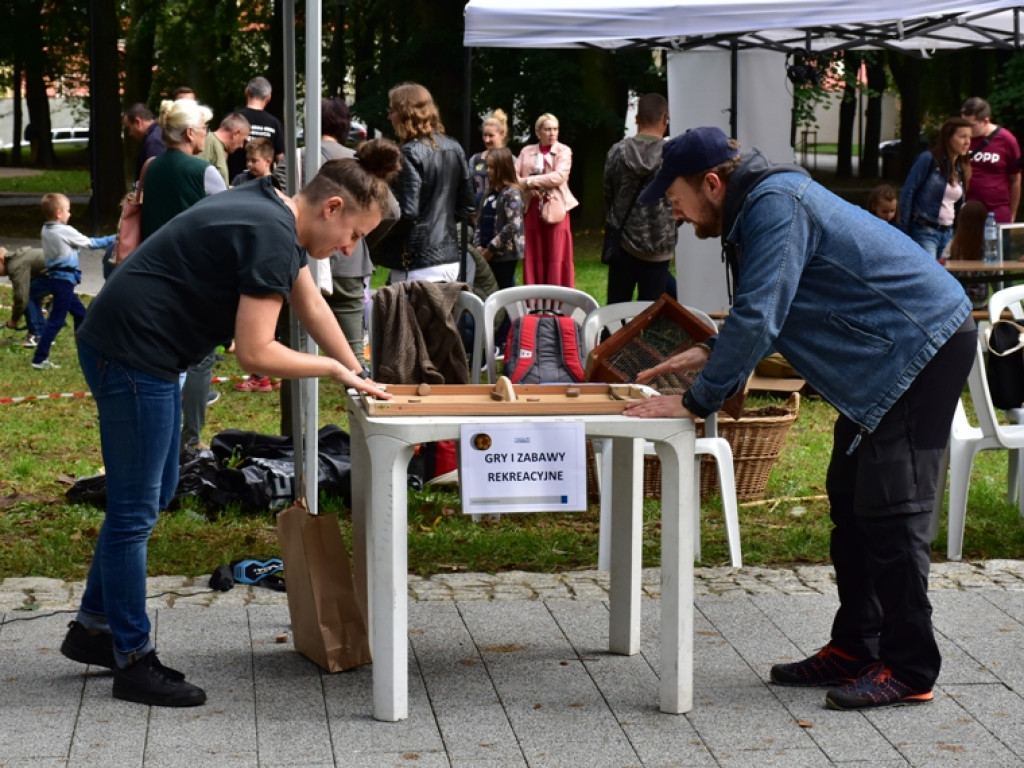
<point x="648" y="231"/>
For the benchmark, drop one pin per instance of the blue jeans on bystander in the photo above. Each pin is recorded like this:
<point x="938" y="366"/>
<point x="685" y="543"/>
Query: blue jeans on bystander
<point x="140" y="418"/>
<point x="933" y="240"/>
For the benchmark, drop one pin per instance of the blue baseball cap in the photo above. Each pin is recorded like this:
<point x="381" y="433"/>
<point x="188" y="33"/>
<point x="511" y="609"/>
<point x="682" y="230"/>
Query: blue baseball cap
<point x="696" y="150"/>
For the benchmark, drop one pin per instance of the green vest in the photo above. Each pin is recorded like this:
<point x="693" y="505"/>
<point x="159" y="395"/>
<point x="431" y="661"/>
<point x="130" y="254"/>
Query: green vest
<point x="174" y="182"/>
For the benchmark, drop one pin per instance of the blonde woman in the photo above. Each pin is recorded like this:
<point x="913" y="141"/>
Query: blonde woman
<point x="543" y="171"/>
<point x="433" y="191"/>
<point x="494" y="131"/>
<point x="177" y="179"/>
<point x="173" y="182"/>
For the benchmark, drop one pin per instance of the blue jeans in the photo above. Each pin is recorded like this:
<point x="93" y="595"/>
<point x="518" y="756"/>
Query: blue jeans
<point x="38" y="290"/>
<point x="934" y="241"/>
<point x="65" y="300"/>
<point x="139" y="417"/>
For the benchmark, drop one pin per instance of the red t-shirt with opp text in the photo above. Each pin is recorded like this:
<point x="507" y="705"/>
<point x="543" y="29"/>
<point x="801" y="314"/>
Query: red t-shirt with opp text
<point x="992" y="168"/>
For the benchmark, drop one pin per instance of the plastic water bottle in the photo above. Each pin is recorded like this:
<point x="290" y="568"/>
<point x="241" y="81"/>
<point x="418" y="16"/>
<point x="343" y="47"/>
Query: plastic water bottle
<point x="991" y="240"/>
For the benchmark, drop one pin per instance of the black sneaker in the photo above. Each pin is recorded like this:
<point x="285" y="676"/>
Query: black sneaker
<point x="877" y="687"/>
<point x="83" y="646"/>
<point x="147" y="681"/>
<point x="829" y="666"/>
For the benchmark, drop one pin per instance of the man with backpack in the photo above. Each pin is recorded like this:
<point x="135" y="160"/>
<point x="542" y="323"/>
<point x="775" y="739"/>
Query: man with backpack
<point x="646" y="231"/>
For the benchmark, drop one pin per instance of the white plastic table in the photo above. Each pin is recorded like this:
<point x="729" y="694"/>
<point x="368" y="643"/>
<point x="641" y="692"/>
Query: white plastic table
<point x="381" y="450"/>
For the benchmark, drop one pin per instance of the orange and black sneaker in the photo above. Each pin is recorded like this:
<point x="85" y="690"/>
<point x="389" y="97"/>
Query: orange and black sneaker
<point x="877" y="687"/>
<point x="829" y="666"/>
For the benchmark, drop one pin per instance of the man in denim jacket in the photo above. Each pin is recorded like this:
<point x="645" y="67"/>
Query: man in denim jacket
<point x="886" y="336"/>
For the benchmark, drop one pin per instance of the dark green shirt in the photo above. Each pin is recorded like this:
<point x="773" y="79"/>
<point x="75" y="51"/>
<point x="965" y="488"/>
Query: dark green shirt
<point x="176" y="298"/>
<point x="173" y="183"/>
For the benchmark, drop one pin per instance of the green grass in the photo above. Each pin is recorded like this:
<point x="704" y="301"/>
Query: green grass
<point x="46" y="444"/>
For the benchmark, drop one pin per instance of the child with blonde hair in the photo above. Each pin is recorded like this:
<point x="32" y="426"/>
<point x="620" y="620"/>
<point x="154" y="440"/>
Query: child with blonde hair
<point x="60" y="252"/>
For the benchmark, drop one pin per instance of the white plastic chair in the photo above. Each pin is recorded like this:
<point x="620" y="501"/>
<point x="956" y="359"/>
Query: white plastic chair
<point x="964" y="442"/>
<point x="612" y="318"/>
<point x="522" y="300"/>
<point x="467" y="302"/>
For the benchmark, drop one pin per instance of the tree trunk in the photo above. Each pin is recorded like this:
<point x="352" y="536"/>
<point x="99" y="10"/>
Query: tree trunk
<point x="597" y="82"/>
<point x="906" y="71"/>
<point x="35" y="84"/>
<point x="873" y="116"/>
<point x="336" y="64"/>
<point x="18" y="118"/>
<point x="139" y="50"/>
<point x="105" y="127"/>
<point x="847" y="120"/>
<point x="440" y="43"/>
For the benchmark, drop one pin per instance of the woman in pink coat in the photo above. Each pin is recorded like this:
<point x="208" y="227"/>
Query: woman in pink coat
<point x="543" y="170"/>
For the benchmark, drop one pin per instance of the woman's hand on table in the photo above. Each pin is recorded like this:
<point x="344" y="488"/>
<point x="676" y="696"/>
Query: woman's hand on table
<point x="363" y="383"/>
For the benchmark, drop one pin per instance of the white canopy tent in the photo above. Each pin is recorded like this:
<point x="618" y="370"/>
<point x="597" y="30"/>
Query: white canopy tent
<point x="777" y="24"/>
<point x="727" y="62"/>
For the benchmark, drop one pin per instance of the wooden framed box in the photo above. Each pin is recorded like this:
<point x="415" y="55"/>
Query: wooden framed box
<point x="661" y="331"/>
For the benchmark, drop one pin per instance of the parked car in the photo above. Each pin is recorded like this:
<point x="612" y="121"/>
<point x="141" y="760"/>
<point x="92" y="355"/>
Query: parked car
<point x="893" y="146"/>
<point x="356" y="134"/>
<point x="889" y="152"/>
<point x="76" y="136"/>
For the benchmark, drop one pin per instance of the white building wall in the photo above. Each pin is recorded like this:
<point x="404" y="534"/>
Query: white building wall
<point x="699" y="94"/>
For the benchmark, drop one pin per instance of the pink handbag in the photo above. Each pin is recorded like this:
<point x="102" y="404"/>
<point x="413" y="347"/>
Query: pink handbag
<point x="552" y="207"/>
<point x="129" y="228"/>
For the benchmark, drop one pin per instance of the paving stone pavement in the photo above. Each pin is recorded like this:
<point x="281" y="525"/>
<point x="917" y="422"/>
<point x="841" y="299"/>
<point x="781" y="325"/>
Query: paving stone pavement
<point x="512" y="669"/>
<point x="36" y="593"/>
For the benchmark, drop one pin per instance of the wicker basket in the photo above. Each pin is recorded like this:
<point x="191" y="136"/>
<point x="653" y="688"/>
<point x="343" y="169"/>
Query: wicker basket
<point x="756" y="440"/>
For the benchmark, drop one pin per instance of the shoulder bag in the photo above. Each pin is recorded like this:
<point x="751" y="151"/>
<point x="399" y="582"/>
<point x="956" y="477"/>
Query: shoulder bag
<point x="1005" y="366"/>
<point x="611" y="250"/>
<point x="129" y="228"/>
<point x="552" y="207"/>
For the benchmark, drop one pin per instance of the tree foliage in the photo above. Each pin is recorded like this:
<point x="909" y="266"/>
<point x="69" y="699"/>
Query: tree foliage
<point x="216" y="46"/>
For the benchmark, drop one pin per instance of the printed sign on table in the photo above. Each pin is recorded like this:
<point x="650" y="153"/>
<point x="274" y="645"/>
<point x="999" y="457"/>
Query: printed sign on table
<point x="527" y="467"/>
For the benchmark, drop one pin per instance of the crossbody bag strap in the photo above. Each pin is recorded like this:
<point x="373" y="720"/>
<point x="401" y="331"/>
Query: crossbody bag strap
<point x="142" y="178"/>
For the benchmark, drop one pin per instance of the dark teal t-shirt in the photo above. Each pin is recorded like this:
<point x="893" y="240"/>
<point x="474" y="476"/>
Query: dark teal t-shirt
<point x="176" y="297"/>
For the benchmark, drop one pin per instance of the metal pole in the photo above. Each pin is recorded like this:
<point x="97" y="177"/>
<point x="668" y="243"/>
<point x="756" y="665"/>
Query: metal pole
<point x="310" y="386"/>
<point x="734" y="98"/>
<point x="295" y="340"/>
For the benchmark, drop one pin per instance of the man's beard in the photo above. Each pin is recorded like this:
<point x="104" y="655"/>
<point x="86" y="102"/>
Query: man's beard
<point x="710" y="224"/>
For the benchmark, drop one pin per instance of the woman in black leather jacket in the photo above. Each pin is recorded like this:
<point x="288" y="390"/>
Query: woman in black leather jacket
<point x="433" y="191"/>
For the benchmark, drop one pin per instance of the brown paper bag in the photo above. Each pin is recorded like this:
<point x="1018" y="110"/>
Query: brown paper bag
<point x="328" y="626"/>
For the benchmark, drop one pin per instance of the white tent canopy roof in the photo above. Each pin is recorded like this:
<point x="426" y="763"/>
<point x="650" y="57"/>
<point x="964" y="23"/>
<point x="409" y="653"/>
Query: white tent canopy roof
<point x="784" y="25"/>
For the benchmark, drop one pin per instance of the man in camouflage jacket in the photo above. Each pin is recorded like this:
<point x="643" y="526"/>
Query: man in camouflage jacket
<point x="648" y="240"/>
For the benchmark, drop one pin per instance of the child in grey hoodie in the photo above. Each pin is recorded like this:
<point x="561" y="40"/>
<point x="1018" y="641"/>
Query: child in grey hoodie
<point x="60" y="251"/>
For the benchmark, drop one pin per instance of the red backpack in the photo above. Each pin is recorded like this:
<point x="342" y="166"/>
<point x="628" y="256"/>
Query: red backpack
<point x="544" y="349"/>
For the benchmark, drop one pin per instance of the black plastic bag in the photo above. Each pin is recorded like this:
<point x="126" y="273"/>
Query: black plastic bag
<point x="248" y="468"/>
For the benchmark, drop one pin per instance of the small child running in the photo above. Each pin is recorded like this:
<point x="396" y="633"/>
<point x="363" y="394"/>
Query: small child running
<point x="60" y="252"/>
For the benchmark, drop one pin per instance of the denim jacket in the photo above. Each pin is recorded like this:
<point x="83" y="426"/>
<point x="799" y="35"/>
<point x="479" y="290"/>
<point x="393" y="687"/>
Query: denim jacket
<point x="854" y="305"/>
<point x="922" y="192"/>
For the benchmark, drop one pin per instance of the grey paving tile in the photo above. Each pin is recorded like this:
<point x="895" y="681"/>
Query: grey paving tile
<point x="108" y="731"/>
<point x="959" y="755"/>
<point x="997" y="708"/>
<point x="772" y="758"/>
<point x="842" y="736"/>
<point x="36" y="732"/>
<point x="470" y="716"/>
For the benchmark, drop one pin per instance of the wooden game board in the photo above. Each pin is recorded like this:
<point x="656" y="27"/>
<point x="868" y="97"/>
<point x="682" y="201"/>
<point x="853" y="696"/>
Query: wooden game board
<point x="502" y="399"/>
